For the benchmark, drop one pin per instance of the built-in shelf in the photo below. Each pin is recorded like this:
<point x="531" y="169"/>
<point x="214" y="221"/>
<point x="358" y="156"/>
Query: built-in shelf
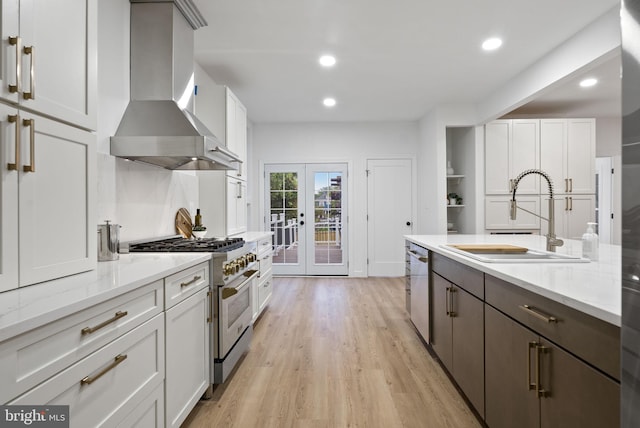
<point x="455" y="206"/>
<point x="455" y="176"/>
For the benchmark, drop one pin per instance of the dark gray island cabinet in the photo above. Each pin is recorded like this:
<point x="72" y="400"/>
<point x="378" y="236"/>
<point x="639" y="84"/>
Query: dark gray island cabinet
<point x="521" y="359"/>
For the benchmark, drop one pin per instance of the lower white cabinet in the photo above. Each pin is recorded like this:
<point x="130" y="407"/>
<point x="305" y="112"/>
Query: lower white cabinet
<point x="572" y="213"/>
<point x="103" y="388"/>
<point x="264" y="283"/>
<point x="497" y="210"/>
<point x="187" y="356"/>
<point x="149" y="413"/>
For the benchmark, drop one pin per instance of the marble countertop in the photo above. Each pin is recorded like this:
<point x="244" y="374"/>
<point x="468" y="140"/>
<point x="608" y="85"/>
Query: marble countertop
<point x="593" y="288"/>
<point x="30" y="307"/>
<point x="254" y="236"/>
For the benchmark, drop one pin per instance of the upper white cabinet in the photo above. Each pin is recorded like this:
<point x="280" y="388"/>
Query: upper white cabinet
<point x="223" y="203"/>
<point x="568" y="152"/>
<point x="223" y="113"/>
<point x="511" y="147"/>
<point x="49" y="58"/>
<point x="48" y="177"/>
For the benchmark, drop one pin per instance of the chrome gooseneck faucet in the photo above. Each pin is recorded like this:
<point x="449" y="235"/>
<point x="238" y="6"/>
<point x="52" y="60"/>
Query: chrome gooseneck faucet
<point x="552" y="240"/>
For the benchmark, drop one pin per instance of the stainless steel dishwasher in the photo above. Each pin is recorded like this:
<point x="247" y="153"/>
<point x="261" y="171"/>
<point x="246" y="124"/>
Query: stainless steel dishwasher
<point x="418" y="294"/>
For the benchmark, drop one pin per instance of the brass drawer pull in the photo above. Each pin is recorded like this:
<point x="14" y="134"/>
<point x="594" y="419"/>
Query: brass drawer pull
<point x="210" y="304"/>
<point x="188" y="283"/>
<point x="31" y="95"/>
<point x="117" y="316"/>
<point x="530" y="386"/>
<point x="532" y="311"/>
<point x="566" y="185"/>
<point x="17" y="42"/>
<point x="451" y="312"/>
<point x="31" y="123"/>
<point x="539" y="390"/>
<point x="570" y="185"/>
<point x="117" y="360"/>
<point x="15" y="119"/>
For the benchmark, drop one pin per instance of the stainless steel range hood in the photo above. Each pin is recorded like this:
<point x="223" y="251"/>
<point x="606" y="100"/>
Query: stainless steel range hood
<point x="157" y="127"/>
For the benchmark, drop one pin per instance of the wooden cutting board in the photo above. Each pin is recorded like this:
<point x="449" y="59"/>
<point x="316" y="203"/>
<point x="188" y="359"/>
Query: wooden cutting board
<point x="490" y="248"/>
<point x="183" y="223"/>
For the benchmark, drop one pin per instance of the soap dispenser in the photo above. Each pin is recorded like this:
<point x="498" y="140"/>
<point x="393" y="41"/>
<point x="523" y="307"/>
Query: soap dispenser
<point x="590" y="243"/>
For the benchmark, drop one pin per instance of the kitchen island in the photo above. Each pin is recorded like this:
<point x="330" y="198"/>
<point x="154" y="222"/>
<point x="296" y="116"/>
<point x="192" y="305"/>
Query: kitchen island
<point x="529" y="344"/>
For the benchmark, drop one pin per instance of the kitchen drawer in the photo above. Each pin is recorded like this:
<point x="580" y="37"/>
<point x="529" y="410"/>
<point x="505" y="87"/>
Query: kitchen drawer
<point x="264" y="262"/>
<point x="109" y="398"/>
<point x="29" y="359"/>
<point x="183" y="284"/>
<point x="595" y="341"/>
<point x="264" y="246"/>
<point x="463" y="276"/>
<point x="149" y="413"/>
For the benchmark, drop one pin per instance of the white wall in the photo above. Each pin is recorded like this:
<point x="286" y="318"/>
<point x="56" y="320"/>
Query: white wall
<point x="143" y="199"/>
<point x="352" y="143"/>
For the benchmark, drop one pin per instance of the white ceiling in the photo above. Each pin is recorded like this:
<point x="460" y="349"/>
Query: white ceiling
<point x="396" y="60"/>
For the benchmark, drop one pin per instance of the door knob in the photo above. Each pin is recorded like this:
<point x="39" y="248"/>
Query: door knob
<point x="408" y="223"/>
<point x="301" y="223"/>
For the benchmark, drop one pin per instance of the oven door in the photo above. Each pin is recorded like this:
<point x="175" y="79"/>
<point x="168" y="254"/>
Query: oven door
<point x="235" y="310"/>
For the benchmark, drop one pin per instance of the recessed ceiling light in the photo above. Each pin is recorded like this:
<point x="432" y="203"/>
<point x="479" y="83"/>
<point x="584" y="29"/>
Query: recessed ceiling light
<point x="491" y="44"/>
<point x="327" y="60"/>
<point x="329" y="102"/>
<point x="588" y="82"/>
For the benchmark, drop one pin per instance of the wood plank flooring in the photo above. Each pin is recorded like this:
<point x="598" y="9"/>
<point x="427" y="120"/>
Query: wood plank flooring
<point x="335" y="352"/>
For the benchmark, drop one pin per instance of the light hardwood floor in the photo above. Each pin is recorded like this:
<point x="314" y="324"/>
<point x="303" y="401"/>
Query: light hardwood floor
<point x="335" y="352"/>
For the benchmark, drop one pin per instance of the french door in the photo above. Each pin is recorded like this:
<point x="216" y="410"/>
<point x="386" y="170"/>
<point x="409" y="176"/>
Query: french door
<point x="306" y="209"/>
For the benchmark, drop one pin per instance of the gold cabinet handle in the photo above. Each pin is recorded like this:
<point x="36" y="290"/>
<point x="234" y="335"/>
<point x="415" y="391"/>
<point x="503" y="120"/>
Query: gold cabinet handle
<point x="447" y="306"/>
<point x="267" y="284"/>
<point x="541" y="392"/>
<point x="195" y="279"/>
<point x="566" y="185"/>
<point x="90" y="379"/>
<point x="210" y="304"/>
<point x="17" y="42"/>
<point x="31" y="123"/>
<point x="570" y="185"/>
<point x="532" y="311"/>
<point x="31" y="95"/>
<point x="570" y="204"/>
<point x="531" y="386"/>
<point x="16" y="120"/>
<point x="117" y="316"/>
<point x="452" y="314"/>
<point x="566" y="203"/>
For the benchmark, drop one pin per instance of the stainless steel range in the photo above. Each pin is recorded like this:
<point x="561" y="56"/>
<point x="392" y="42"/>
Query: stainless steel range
<point x="233" y="269"/>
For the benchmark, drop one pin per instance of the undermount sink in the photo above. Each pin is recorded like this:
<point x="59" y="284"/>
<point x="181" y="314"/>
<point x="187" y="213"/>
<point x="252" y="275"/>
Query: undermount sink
<point x="528" y="256"/>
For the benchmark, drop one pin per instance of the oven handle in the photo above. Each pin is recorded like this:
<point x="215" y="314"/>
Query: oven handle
<point x="232" y="291"/>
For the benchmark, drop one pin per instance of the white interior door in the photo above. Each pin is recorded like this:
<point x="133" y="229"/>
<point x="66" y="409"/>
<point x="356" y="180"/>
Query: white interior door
<point x="389" y="213"/>
<point x="306" y="210"/>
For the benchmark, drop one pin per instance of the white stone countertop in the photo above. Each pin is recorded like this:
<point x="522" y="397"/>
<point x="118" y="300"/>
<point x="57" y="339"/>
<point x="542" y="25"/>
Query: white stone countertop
<point x="254" y="236"/>
<point x="36" y="305"/>
<point x="593" y="288"/>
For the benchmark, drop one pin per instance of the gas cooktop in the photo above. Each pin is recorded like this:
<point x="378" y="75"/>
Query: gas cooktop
<point x="172" y="245"/>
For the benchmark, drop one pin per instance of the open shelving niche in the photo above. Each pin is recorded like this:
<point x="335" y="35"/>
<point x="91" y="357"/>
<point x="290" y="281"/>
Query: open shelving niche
<point x="461" y="154"/>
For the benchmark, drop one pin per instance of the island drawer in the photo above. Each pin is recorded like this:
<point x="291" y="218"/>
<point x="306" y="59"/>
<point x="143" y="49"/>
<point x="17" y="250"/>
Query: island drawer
<point x="30" y="358"/>
<point x="463" y="276"/>
<point x="183" y="284"/>
<point x="595" y="341"/>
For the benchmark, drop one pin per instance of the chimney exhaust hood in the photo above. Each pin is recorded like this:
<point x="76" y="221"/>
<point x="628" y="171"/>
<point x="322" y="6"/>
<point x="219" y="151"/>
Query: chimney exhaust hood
<point x="157" y="127"/>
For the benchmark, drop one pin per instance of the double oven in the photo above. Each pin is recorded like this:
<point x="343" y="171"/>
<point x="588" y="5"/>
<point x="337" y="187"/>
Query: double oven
<point x="233" y="268"/>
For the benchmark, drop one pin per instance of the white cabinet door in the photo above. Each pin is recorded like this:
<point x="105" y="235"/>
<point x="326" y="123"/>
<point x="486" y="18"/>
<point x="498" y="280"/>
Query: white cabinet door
<point x="187" y="356"/>
<point x="511" y="147"/>
<point x="581" y="149"/>
<point x="572" y="213"/>
<point x="57" y="229"/>
<point x="236" y="206"/>
<point x="60" y="73"/>
<point x="497" y="209"/>
<point x="9" y="199"/>
<point x="567" y="153"/>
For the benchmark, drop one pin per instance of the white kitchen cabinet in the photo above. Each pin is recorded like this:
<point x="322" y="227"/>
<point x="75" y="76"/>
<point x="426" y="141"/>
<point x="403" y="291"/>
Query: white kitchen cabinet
<point x="497" y="210"/>
<point x="511" y="147"/>
<point x="187" y="356"/>
<point x="223" y="203"/>
<point x="572" y="213"/>
<point x="121" y="374"/>
<point x="49" y="58"/>
<point x="225" y="115"/>
<point x="568" y="153"/>
<point x="265" y="276"/>
<point x="49" y="171"/>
